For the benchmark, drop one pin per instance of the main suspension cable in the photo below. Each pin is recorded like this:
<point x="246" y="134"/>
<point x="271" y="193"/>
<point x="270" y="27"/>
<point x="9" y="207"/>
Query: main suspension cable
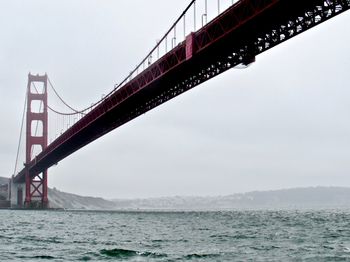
<point x="76" y="111"/>
<point x="20" y="134"/>
<point x="65" y="114"/>
<point x="125" y="80"/>
<point x="66" y="104"/>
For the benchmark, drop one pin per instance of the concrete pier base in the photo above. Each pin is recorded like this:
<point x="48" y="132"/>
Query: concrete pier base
<point x="17" y="193"/>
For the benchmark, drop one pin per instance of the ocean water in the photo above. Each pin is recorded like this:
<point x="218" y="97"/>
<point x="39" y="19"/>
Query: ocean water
<point x="322" y="235"/>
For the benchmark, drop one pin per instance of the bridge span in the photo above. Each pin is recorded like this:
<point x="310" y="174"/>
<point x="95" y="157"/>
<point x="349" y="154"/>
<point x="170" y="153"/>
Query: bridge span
<point x="236" y="36"/>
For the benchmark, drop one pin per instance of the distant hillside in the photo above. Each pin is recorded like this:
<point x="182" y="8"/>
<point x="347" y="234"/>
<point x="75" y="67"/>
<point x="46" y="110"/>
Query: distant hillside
<point x="58" y="199"/>
<point x="315" y="197"/>
<point x="297" y="198"/>
<point x="3" y="189"/>
<point x="3" y="180"/>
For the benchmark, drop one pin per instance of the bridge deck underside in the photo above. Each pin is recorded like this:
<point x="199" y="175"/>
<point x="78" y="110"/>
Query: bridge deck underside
<point x="236" y="36"/>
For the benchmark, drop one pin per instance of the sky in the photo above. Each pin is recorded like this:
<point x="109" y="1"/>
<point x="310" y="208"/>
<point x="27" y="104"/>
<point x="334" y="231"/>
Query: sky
<point x="281" y="123"/>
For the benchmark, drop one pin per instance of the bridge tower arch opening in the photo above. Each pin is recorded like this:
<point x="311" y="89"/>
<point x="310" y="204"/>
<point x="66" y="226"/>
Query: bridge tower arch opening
<point x="36" y="186"/>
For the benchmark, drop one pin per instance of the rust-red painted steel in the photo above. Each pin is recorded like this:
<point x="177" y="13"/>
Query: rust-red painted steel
<point x="246" y="29"/>
<point x="36" y="185"/>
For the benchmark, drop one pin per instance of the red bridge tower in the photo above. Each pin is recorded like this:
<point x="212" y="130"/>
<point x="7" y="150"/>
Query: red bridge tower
<point x="36" y="187"/>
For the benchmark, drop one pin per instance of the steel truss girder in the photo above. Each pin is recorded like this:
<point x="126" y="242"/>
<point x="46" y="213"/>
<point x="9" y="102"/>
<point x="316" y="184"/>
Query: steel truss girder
<point x="299" y="24"/>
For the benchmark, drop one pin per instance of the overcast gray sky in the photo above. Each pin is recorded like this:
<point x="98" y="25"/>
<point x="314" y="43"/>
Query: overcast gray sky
<point x="283" y="122"/>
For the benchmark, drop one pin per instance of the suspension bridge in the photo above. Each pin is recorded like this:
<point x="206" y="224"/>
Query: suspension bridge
<point x="208" y="38"/>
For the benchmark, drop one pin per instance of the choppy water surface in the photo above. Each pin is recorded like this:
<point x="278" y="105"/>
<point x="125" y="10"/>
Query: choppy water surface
<point x="175" y="236"/>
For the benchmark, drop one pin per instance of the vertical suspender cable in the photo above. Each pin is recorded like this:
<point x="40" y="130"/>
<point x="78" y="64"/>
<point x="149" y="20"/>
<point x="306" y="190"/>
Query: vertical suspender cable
<point x="205" y="15"/>
<point x="185" y="26"/>
<point x="194" y="13"/>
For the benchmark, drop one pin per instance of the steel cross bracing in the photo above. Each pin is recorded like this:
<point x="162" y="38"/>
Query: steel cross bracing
<point x="243" y="31"/>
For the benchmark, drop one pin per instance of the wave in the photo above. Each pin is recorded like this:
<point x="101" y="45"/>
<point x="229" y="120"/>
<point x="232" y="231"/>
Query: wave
<point x="44" y="257"/>
<point x="36" y="257"/>
<point x="195" y="255"/>
<point x="126" y="253"/>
